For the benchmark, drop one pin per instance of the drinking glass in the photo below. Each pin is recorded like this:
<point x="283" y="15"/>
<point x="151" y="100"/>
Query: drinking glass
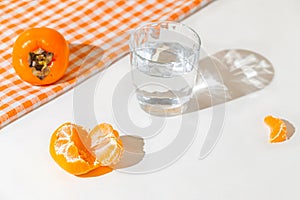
<point x="164" y="59"/>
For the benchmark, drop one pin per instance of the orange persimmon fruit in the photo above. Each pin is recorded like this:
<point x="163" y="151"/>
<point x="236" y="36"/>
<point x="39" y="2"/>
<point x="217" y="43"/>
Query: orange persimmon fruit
<point x="40" y="56"/>
<point x="278" y="129"/>
<point x="77" y="151"/>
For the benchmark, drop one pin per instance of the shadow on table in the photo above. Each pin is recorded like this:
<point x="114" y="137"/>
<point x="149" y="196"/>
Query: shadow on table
<point x="82" y="58"/>
<point x="290" y="129"/>
<point x="228" y="75"/>
<point x="133" y="151"/>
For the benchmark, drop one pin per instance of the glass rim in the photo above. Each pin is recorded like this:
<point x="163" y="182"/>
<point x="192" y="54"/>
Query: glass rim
<point x="148" y="24"/>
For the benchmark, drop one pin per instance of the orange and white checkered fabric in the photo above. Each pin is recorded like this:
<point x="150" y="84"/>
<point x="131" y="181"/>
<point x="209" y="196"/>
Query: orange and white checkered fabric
<point x="97" y="31"/>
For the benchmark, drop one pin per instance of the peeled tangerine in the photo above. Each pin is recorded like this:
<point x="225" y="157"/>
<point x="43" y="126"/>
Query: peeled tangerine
<point x="79" y="152"/>
<point x="278" y="129"/>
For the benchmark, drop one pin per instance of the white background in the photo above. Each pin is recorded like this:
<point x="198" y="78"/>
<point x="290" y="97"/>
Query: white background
<point x="242" y="166"/>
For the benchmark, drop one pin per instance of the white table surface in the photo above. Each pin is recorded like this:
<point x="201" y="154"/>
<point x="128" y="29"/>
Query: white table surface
<point x="243" y="164"/>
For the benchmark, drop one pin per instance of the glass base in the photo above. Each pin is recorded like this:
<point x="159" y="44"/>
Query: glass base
<point x="164" y="110"/>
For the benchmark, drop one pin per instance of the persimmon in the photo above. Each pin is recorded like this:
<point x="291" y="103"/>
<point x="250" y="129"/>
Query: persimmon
<point x="40" y="56"/>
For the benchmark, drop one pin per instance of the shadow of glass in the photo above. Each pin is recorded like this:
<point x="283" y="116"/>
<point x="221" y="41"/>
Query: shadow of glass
<point x="133" y="151"/>
<point x="228" y="75"/>
<point x="83" y="60"/>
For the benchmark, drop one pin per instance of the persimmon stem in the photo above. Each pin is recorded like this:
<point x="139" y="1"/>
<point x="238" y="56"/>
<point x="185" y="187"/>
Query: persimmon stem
<point x="40" y="61"/>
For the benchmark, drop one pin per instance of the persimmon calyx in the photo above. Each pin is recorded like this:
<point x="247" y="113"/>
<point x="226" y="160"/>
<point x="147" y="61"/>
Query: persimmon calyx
<point x="40" y="61"/>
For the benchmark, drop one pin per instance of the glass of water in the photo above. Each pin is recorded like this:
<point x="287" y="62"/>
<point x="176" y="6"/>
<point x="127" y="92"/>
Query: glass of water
<point x="164" y="59"/>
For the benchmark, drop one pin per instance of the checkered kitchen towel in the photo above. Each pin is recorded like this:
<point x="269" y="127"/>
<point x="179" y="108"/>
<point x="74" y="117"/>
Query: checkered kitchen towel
<point x="97" y="31"/>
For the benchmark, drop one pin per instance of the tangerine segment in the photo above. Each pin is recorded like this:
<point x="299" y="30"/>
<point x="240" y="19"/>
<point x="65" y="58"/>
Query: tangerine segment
<point x="278" y="129"/>
<point x="68" y="148"/>
<point x="106" y="145"/>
